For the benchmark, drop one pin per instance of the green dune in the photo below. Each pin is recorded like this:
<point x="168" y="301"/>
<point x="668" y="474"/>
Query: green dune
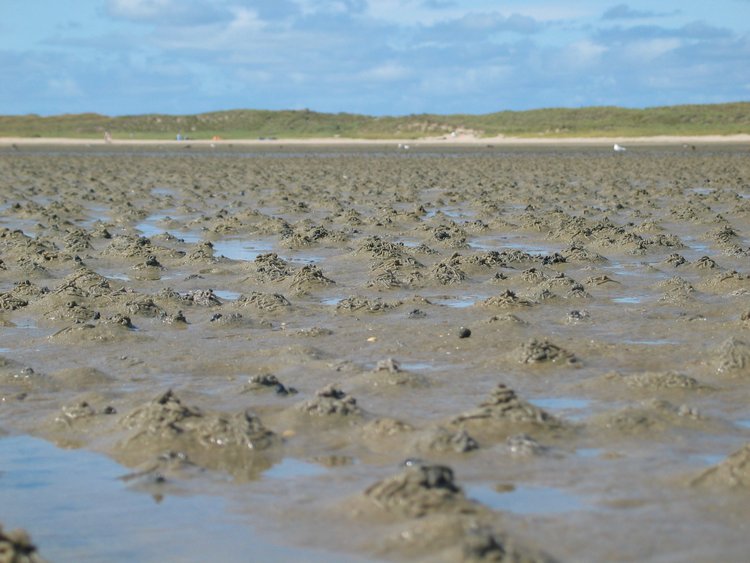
<point x="710" y="119"/>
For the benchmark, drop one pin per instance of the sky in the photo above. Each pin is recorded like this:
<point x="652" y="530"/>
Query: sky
<point x="374" y="57"/>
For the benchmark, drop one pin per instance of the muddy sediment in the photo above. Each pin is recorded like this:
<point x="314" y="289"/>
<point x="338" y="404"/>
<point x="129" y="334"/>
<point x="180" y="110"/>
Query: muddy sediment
<point x="556" y="341"/>
<point x="16" y="547"/>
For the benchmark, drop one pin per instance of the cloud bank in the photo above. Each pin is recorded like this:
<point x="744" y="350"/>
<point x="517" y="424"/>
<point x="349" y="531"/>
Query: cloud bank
<point x="370" y="56"/>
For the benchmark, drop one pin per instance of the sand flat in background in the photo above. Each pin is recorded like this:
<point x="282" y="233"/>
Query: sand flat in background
<point x="460" y="140"/>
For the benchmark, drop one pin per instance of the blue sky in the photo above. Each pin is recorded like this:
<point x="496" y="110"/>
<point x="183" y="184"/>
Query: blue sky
<point x="378" y="57"/>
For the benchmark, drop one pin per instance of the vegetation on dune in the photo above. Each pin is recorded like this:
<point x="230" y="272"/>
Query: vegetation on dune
<point x="717" y="119"/>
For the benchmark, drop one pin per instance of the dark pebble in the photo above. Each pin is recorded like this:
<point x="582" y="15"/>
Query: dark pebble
<point x="464" y="332"/>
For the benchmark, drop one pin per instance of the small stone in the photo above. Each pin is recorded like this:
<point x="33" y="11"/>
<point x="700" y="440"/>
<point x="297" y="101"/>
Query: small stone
<point x="576" y="316"/>
<point x="464" y="332"/>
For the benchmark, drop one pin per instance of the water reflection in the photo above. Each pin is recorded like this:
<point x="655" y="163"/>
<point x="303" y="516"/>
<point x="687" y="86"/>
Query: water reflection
<point x="526" y="500"/>
<point x="76" y="508"/>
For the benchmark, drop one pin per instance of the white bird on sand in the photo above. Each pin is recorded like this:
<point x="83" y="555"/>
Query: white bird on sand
<point x="619" y="148"/>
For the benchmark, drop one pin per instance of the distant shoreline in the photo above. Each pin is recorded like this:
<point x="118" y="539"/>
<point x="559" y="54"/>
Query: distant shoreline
<point x="464" y="140"/>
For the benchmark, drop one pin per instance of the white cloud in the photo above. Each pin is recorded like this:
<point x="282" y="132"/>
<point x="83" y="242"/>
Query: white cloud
<point x="651" y="49"/>
<point x="243" y="31"/>
<point x="386" y="72"/>
<point x="625" y="12"/>
<point x="584" y="53"/>
<point x="139" y="9"/>
<point x="420" y="12"/>
<point x="332" y="6"/>
<point x="253" y="76"/>
<point x="556" y="11"/>
<point x="244" y="20"/>
<point x="64" y="87"/>
<point x="168" y="12"/>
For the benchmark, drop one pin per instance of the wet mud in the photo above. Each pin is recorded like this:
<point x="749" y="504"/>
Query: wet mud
<point x="16" y="547"/>
<point x="447" y="355"/>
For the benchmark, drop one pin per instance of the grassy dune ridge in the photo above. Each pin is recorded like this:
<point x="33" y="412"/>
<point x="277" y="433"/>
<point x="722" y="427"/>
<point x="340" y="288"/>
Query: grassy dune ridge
<point x="713" y="119"/>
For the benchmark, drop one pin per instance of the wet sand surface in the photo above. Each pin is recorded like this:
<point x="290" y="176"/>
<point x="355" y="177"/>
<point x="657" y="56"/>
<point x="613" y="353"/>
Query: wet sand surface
<point x="322" y="353"/>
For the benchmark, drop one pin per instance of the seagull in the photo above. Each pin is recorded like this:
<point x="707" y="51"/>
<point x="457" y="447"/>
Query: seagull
<point x="619" y="148"/>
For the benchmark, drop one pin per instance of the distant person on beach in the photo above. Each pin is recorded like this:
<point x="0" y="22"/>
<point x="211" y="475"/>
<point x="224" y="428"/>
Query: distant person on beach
<point x="107" y="137"/>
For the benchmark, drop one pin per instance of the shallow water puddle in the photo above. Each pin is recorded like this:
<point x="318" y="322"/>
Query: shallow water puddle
<point x="26" y="323"/>
<point x="416" y="366"/>
<point x="226" y="295"/>
<point x="698" y="247"/>
<point x="499" y="244"/>
<point x="458" y="302"/>
<point x="410" y="243"/>
<point x="149" y="228"/>
<point x="242" y="249"/>
<point x="745" y="423"/>
<point x="653" y="342"/>
<point x="405" y="366"/>
<point x="163" y="191"/>
<point x="250" y="250"/>
<point x="452" y="213"/>
<point x="572" y="408"/>
<point x="526" y="500"/>
<point x="624" y="269"/>
<point x="708" y="459"/>
<point x="27" y="329"/>
<point x="291" y="468"/>
<point x="97" y="213"/>
<point x="304" y="258"/>
<point x="701" y="191"/>
<point x="534" y="248"/>
<point x="561" y="403"/>
<point x="485" y="246"/>
<point x="77" y="508"/>
<point x="589" y="452"/>
<point x="26" y="226"/>
<point x="629" y="300"/>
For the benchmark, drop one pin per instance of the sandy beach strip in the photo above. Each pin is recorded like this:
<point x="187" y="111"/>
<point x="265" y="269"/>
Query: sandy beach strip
<point x="461" y="140"/>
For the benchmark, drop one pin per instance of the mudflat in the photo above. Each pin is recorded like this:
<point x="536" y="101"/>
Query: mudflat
<point x="479" y="353"/>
